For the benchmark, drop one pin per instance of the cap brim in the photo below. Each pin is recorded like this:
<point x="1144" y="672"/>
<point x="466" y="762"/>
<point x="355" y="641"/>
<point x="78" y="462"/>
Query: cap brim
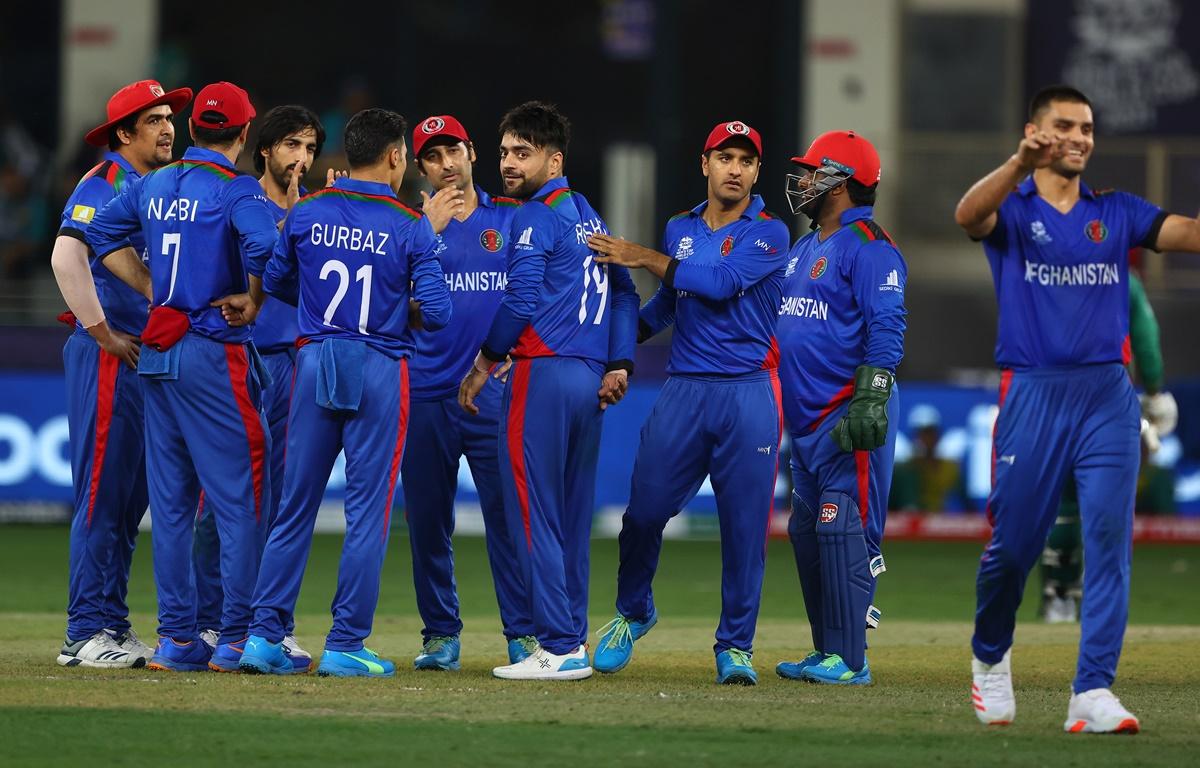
<point x="176" y="100"/>
<point x="446" y="137"/>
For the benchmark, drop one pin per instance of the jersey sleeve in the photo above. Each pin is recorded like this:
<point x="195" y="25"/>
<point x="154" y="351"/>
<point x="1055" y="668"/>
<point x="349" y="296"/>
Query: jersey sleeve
<point x="280" y="276"/>
<point x="535" y="229"/>
<point x="658" y="314"/>
<point x="755" y="255"/>
<point x="998" y="237"/>
<point x="429" y="282"/>
<point x="1144" y="337"/>
<point x="1145" y="220"/>
<point x="112" y="226"/>
<point x="253" y="221"/>
<point x="623" y="329"/>
<point x="88" y="199"/>
<point x="878" y="277"/>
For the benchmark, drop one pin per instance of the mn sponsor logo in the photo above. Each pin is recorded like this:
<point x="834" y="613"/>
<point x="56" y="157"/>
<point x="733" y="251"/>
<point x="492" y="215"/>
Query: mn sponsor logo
<point x="433" y="125"/>
<point x="1095" y="231"/>
<point x="828" y="513"/>
<point x="727" y="245"/>
<point x="491" y="240"/>
<point x="818" y="268"/>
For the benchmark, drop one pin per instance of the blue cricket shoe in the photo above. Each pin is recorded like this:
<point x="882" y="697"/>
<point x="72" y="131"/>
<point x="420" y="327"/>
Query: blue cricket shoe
<point x="734" y="668"/>
<point x="361" y="663"/>
<point x="794" y="670"/>
<point x="262" y="657"/>
<point x="227" y="657"/>
<point x="833" y="671"/>
<point x="614" y="648"/>
<point x="520" y="648"/>
<point x="439" y="653"/>
<point x="175" y="656"/>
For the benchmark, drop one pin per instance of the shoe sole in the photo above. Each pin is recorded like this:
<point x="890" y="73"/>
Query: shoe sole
<point x="571" y="674"/>
<point x="799" y="675"/>
<point x="74" y="661"/>
<point x="613" y="670"/>
<point x="1128" y="726"/>
<point x="159" y="666"/>
<point x="326" y="672"/>
<point x="253" y="667"/>
<point x="737" y="678"/>
<point x="453" y="666"/>
<point x="868" y="680"/>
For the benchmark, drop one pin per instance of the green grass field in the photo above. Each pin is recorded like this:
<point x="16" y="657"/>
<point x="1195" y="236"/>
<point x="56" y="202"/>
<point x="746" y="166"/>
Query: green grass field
<point x="664" y="709"/>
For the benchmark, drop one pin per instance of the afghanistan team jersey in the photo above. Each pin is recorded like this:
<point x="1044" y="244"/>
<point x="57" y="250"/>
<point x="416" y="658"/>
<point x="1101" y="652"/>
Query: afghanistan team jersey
<point x="721" y="291"/>
<point x="205" y="225"/>
<point x="557" y="300"/>
<point x="276" y="327"/>
<point x="124" y="308"/>
<point x="1062" y="279"/>
<point x="843" y="306"/>
<point x="355" y="249"/>
<point x="474" y="262"/>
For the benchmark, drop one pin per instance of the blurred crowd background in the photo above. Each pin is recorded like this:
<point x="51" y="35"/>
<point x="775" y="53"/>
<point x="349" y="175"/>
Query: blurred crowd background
<point x="940" y="86"/>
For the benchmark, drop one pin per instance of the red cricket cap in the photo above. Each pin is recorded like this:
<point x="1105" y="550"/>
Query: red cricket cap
<point x="132" y="99"/>
<point x="226" y="105"/>
<point x="723" y="133"/>
<point x="854" y="153"/>
<point x="433" y="127"/>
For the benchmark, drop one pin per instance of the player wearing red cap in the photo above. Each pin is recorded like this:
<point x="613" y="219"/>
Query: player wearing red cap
<point x="718" y="414"/>
<point x="841" y="336"/>
<point x="474" y="262"/>
<point x="205" y="224"/>
<point x="104" y="405"/>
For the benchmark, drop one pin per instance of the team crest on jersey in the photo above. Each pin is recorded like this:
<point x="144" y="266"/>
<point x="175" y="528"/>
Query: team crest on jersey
<point x="491" y="240"/>
<point x="433" y="125"/>
<point x="829" y="513"/>
<point x="1096" y="231"/>
<point x="684" y="249"/>
<point x="727" y="246"/>
<point x="791" y="267"/>
<point x="818" y="268"/>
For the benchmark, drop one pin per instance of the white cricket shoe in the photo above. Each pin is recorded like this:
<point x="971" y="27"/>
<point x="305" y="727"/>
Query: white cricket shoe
<point x="992" y="691"/>
<point x="301" y="659"/>
<point x="100" y="651"/>
<point x="129" y="641"/>
<point x="1061" y="610"/>
<point x="1098" y="711"/>
<point x="543" y="665"/>
<point x="210" y="638"/>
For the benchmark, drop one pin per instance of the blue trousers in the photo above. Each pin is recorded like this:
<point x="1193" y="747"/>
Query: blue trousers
<point x="204" y="430"/>
<point x="108" y="474"/>
<point x="821" y="473"/>
<point x="206" y="554"/>
<point x="1054" y="423"/>
<point x="429" y="476"/>
<point x="726" y="427"/>
<point x="373" y="438"/>
<point x="549" y="445"/>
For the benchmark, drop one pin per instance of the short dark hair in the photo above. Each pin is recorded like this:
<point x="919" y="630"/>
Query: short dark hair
<point x="215" y="137"/>
<point x="539" y="123"/>
<point x="1041" y="100"/>
<point x="370" y="133"/>
<point x="861" y="194"/>
<point x="281" y="122"/>
<point x="129" y="124"/>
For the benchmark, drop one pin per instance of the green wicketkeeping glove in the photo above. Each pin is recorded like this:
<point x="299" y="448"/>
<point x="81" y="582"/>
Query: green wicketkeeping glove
<point x="865" y="425"/>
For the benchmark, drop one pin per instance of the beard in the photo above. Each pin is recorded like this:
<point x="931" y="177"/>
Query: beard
<point x="280" y="173"/>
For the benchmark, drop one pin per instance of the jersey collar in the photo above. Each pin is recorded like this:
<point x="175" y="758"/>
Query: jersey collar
<point x="755" y="207"/>
<point x="120" y="160"/>
<point x="208" y="156"/>
<point x="1028" y="188"/>
<point x="485" y="199"/>
<point x="859" y="213"/>
<point x="365" y="187"/>
<point x="550" y="186"/>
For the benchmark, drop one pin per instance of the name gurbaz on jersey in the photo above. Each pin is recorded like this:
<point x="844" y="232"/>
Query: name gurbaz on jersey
<point x="1093" y="273"/>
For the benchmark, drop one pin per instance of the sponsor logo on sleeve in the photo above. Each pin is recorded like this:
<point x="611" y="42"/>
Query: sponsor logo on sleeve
<point x="892" y="282"/>
<point x="526" y="238"/>
<point x="83" y="213"/>
<point x="829" y="513"/>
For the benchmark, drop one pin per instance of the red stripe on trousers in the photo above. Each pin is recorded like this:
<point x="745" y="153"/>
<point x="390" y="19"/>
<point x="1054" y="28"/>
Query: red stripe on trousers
<point x="777" y="392"/>
<point x="398" y="450"/>
<point x="862" y="465"/>
<point x="516" y="441"/>
<point x="200" y="506"/>
<point x="106" y="386"/>
<point x="239" y="371"/>
<point x="841" y="396"/>
<point x="1005" y="383"/>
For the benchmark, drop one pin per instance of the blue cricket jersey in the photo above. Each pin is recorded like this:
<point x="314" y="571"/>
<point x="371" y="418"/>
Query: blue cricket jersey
<point x="558" y="302"/>
<point x="721" y="291"/>
<point x="124" y="308"/>
<point x="474" y="263"/>
<point x="1062" y="279"/>
<point x="355" y="250"/>
<point x="276" y="327"/>
<point x="842" y="307"/>
<point x="205" y="225"/>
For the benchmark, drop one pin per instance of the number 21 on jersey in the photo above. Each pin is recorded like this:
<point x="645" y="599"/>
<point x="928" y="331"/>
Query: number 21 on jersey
<point x="339" y="270"/>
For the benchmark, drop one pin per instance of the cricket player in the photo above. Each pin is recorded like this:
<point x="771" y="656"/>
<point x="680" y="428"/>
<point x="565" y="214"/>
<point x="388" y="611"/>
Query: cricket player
<point x="474" y="262"/>
<point x="1059" y="258"/>
<point x="104" y="401"/>
<point x="719" y="412"/>
<point x="841" y="336"/>
<point x="1062" y="560"/>
<point x="570" y="325"/>
<point x="203" y="222"/>
<point x="290" y="139"/>
<point x="355" y="249"/>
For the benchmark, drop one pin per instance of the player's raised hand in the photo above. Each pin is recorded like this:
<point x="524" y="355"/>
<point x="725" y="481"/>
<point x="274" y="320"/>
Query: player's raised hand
<point x="1039" y="150"/>
<point x="613" y="387"/>
<point x="331" y="176"/>
<point x="238" y="309"/>
<point x="442" y="207"/>
<point x="293" y="190"/>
